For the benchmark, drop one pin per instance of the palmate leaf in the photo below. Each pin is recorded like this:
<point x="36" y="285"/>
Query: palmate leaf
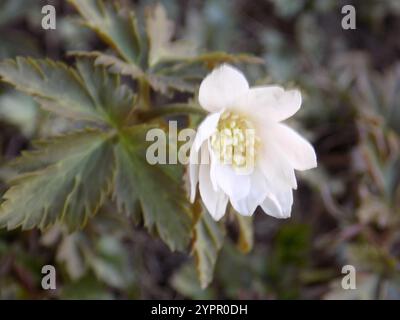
<point x="158" y="189"/>
<point x="208" y="241"/>
<point x="68" y="186"/>
<point x="162" y="83"/>
<point x="54" y="149"/>
<point x="114" y="64"/>
<point x="116" y="26"/>
<point x="88" y="93"/>
<point x="149" y="60"/>
<point x="68" y="178"/>
<point x="183" y="76"/>
<point x="56" y="181"/>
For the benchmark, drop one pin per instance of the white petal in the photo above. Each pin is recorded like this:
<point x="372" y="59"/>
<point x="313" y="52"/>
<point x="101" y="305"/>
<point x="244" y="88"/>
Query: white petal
<point x="275" y="167"/>
<point x="193" y="172"/>
<point x="299" y="152"/>
<point x="215" y="202"/>
<point x="257" y="194"/>
<point x="213" y="167"/>
<point x="197" y="159"/>
<point x="278" y="205"/>
<point x="271" y="103"/>
<point x="285" y="200"/>
<point x="206" y="129"/>
<point x="236" y="186"/>
<point x="221" y="88"/>
<point x="271" y="207"/>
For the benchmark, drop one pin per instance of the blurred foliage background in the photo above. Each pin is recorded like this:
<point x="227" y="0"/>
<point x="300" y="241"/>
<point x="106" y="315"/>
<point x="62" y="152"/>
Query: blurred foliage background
<point x="345" y="212"/>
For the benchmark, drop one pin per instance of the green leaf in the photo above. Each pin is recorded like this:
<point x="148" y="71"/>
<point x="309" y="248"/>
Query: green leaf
<point x="164" y="83"/>
<point x="110" y="262"/>
<point x="88" y="93"/>
<point x="115" y="25"/>
<point x="55" y="149"/>
<point x="208" y="241"/>
<point x="19" y="110"/>
<point x="69" y="180"/>
<point x="158" y="188"/>
<point x="186" y="282"/>
<point x="107" y="21"/>
<point x="125" y="193"/>
<point x="68" y="177"/>
<point x="159" y="82"/>
<point x="185" y="74"/>
<point x="114" y="64"/>
<point x="108" y="94"/>
<point x="70" y="254"/>
<point x="58" y="87"/>
<point x="160" y="31"/>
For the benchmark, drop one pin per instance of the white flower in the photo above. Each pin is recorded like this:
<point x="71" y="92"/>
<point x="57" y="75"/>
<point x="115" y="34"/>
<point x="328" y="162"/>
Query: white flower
<point x="242" y="152"/>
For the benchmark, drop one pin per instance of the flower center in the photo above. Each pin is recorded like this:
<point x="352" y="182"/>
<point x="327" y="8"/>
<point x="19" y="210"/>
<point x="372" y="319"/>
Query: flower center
<point x="235" y="141"/>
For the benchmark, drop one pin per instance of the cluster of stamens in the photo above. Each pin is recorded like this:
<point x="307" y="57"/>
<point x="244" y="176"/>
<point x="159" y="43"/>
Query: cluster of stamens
<point x="234" y="143"/>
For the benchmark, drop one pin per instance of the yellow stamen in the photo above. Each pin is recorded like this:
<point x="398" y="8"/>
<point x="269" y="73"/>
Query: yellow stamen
<point x="235" y="141"/>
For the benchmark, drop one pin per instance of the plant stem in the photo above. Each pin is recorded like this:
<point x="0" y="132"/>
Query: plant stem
<point x="144" y="94"/>
<point x="169" y="110"/>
